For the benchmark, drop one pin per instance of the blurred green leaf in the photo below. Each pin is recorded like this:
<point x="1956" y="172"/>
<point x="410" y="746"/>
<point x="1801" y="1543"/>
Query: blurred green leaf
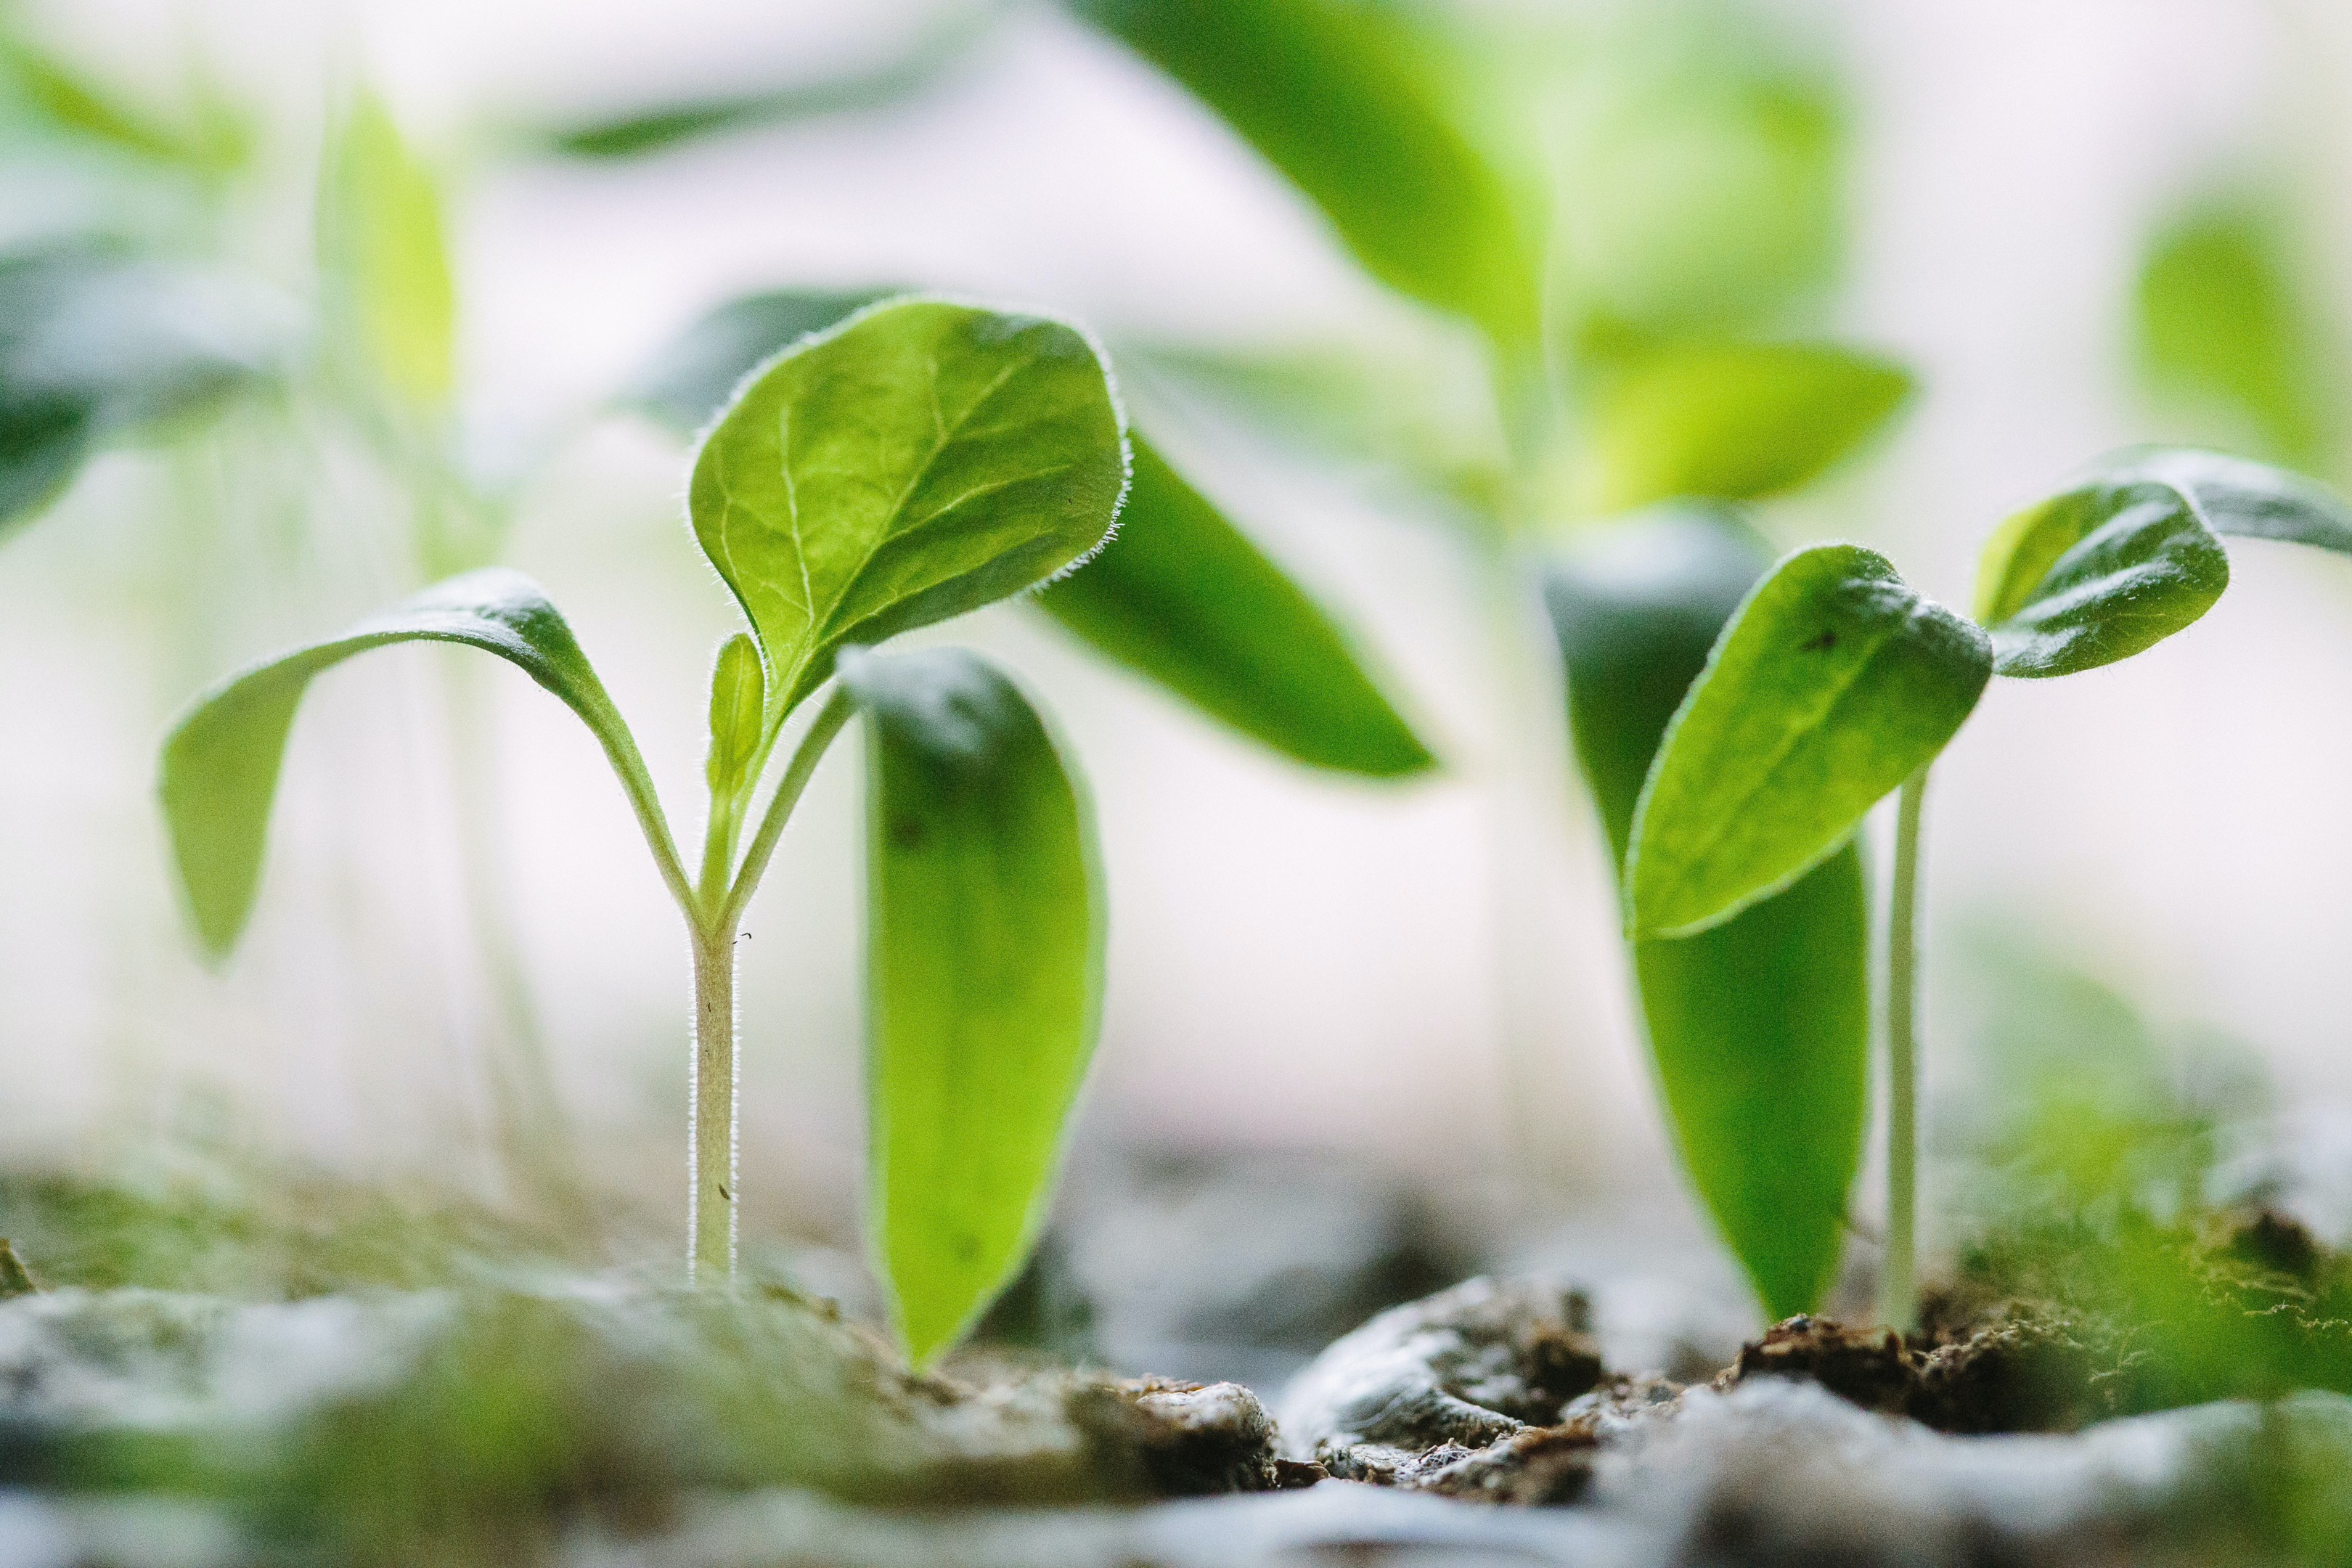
<point x="2225" y="320"/>
<point x="1729" y="421"/>
<point x="984" y="979"/>
<point x="662" y="129"/>
<point x="739" y="707"/>
<point x="693" y="378"/>
<point x="2248" y="500"/>
<point x="2097" y="574"/>
<point x="96" y="346"/>
<point x="221" y="759"/>
<point x="383" y="257"/>
<point x="917" y="461"/>
<point x="1835" y="682"/>
<point x="1336" y="94"/>
<point x="1700" y="152"/>
<point x="1760" y="1028"/>
<point x="1181" y="596"/>
<point x="58" y="93"/>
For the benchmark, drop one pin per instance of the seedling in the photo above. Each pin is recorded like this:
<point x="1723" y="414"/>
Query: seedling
<point x="922" y="460"/>
<point x="1836" y="683"/>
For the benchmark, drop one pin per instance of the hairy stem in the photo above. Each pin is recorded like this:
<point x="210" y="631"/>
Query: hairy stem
<point x="1898" y="1287"/>
<point x="712" y="1116"/>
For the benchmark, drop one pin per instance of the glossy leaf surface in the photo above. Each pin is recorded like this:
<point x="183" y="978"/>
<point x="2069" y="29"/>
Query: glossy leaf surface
<point x="1759" y="1030"/>
<point x="920" y="460"/>
<point x="95" y="346"/>
<point x="2246" y="499"/>
<point x="222" y="757"/>
<point x="1729" y="421"/>
<point x="2098" y="574"/>
<point x="1183" y="597"/>
<point x="2226" y="325"/>
<point x="1333" y="94"/>
<point x="687" y="384"/>
<point x="1835" y="682"/>
<point x="384" y="256"/>
<point x="983" y="976"/>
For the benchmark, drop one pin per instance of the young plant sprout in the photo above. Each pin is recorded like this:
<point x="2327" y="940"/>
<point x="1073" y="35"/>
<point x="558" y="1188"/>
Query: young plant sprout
<point x="1836" y="683"/>
<point x="919" y="460"/>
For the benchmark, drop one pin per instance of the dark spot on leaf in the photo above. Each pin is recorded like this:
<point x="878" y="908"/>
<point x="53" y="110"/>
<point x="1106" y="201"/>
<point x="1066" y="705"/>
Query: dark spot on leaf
<point x="906" y="832"/>
<point x="1826" y="640"/>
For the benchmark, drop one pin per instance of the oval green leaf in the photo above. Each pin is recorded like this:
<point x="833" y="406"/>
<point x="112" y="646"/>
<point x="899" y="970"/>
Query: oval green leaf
<point x="95" y="346"/>
<point x="1727" y="421"/>
<point x="738" y="709"/>
<point x="1335" y="95"/>
<point x="1758" y="1030"/>
<point x="920" y="460"/>
<point x="984" y="979"/>
<point x="1835" y="682"/>
<point x="2246" y="499"/>
<point x="1183" y="597"/>
<point x="2097" y="574"/>
<point x="384" y="258"/>
<point x="221" y="759"/>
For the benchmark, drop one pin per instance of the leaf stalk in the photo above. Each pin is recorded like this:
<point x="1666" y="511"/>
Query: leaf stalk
<point x="1898" y="1289"/>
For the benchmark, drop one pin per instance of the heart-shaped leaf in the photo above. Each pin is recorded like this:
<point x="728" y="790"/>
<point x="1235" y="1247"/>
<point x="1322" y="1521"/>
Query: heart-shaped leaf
<point x="95" y="345"/>
<point x="1335" y="95"/>
<point x="2098" y="574"/>
<point x="221" y="759"/>
<point x="920" y="460"/>
<point x="1731" y="420"/>
<point x="1835" y="682"/>
<point x="1183" y="597"/>
<point x="983" y="977"/>
<point x="1759" y="1030"/>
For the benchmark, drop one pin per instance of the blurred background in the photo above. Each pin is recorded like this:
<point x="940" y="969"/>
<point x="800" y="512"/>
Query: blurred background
<point x="2076" y="226"/>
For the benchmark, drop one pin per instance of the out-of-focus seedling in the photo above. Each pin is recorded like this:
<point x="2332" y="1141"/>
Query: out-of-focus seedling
<point x="1837" y="683"/>
<point x="920" y="460"/>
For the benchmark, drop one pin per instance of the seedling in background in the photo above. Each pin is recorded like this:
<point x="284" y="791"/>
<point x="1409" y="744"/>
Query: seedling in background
<point x="1837" y="683"/>
<point x="920" y="460"/>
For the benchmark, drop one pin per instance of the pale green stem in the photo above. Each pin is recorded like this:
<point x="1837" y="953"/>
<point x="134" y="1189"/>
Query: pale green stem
<point x="1898" y="1287"/>
<point x="714" y="1118"/>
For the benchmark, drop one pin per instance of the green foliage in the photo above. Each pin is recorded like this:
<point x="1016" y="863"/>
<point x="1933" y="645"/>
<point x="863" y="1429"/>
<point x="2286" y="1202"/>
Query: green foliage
<point x="1336" y="96"/>
<point x="384" y="258"/>
<point x="1732" y="420"/>
<point x="738" y="709"/>
<point x="693" y="377"/>
<point x="218" y="142"/>
<point x="1183" y="597"/>
<point x="2094" y="576"/>
<point x="1760" y="1028"/>
<point x="97" y="347"/>
<point x="2225" y="322"/>
<point x="222" y="756"/>
<point x="1834" y="683"/>
<point x="2244" y="500"/>
<point x="985" y="931"/>
<point x="916" y="462"/>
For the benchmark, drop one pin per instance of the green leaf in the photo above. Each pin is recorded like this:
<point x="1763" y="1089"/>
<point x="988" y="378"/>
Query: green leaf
<point x="96" y="346"/>
<point x="383" y="257"/>
<point x="2232" y="496"/>
<point x="1728" y="421"/>
<point x="738" y="702"/>
<point x="687" y="384"/>
<point x="2226" y="321"/>
<point x="1759" y="1030"/>
<point x="221" y="759"/>
<point x="1335" y="94"/>
<point x="1182" y="597"/>
<point x="1835" y="682"/>
<point x="2098" y="573"/>
<point x="917" y="461"/>
<point x="984" y="911"/>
